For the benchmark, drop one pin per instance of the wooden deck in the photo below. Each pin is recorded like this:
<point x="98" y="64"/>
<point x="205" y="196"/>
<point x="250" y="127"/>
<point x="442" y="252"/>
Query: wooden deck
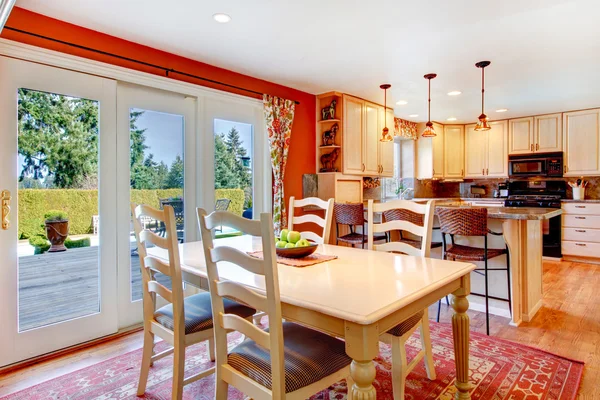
<point x="56" y="287"/>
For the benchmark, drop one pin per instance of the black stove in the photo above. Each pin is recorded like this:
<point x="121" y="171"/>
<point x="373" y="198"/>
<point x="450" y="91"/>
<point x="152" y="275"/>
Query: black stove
<point x="543" y="194"/>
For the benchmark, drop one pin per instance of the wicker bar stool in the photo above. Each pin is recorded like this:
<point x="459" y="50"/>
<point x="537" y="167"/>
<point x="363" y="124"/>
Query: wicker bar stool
<point x="352" y="215"/>
<point x="472" y="222"/>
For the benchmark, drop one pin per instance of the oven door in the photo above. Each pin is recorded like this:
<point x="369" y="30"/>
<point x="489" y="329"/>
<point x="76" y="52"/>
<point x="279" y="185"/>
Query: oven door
<point x="531" y="167"/>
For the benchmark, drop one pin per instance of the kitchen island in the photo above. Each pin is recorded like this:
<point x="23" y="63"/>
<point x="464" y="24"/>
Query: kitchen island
<point x="522" y="231"/>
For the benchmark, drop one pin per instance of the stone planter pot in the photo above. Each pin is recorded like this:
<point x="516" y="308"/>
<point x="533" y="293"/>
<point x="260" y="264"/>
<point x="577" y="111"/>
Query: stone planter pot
<point x="57" y="232"/>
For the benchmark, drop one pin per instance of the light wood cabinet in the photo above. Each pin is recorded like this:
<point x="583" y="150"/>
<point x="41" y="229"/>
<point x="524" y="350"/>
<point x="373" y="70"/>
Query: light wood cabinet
<point x="430" y="154"/>
<point x="581" y="141"/>
<point x="454" y="152"/>
<point x="386" y="149"/>
<point x="521" y="137"/>
<point x="540" y="134"/>
<point x="548" y="133"/>
<point x="353" y="135"/>
<point x="580" y="233"/>
<point x="486" y="152"/>
<point x="370" y="147"/>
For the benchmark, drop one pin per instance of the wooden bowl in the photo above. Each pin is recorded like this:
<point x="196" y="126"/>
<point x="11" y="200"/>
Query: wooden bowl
<point x="297" y="252"/>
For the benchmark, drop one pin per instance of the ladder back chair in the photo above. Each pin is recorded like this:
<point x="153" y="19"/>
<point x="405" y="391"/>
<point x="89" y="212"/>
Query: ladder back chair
<point x="184" y="321"/>
<point x="264" y="366"/>
<point x="398" y="335"/>
<point x="353" y="216"/>
<point x="472" y="222"/>
<point x="325" y="223"/>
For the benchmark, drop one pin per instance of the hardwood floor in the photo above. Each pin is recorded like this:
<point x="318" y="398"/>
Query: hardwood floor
<point x="568" y="325"/>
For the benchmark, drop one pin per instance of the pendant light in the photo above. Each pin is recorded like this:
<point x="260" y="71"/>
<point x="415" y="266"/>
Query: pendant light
<point x="385" y="133"/>
<point x="429" y="131"/>
<point x="482" y="125"/>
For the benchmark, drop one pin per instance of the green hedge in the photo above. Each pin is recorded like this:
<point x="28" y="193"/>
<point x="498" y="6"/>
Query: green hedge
<point x="235" y="195"/>
<point x="81" y="205"/>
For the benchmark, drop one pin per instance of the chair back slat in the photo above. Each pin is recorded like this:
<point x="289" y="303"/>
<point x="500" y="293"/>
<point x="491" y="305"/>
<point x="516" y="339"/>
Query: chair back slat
<point x="325" y="223"/>
<point x="235" y="256"/>
<point x="423" y="231"/>
<point x="150" y="264"/>
<point x="463" y="221"/>
<point x="272" y="340"/>
<point x="242" y="294"/>
<point x="233" y="322"/>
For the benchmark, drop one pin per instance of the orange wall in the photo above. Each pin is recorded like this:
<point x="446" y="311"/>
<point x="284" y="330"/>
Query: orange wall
<point x="301" y="158"/>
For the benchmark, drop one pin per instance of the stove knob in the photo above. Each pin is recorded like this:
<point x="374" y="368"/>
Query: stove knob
<point x="541" y="203"/>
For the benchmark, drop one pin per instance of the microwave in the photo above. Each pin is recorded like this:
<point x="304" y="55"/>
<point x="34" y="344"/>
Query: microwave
<point x="538" y="164"/>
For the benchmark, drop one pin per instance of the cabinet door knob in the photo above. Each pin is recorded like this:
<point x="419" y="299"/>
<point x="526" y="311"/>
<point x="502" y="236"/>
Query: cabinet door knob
<point x="483" y="171"/>
<point x="580" y="244"/>
<point x="531" y="147"/>
<point x="579" y="217"/>
<point x="580" y="230"/>
<point x="579" y="206"/>
<point x="537" y="146"/>
<point x="487" y="171"/>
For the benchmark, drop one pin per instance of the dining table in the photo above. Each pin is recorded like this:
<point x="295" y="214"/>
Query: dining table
<point x="356" y="297"/>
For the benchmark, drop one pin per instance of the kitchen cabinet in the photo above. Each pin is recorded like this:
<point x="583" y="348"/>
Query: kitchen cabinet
<point x="486" y="152"/>
<point x="353" y="135"/>
<point x="430" y="154"/>
<point x="386" y="149"/>
<point x="548" y="133"/>
<point x="580" y="233"/>
<point x="521" y="136"/>
<point x="540" y="134"/>
<point x="581" y="141"/>
<point x="454" y="152"/>
<point x="371" y="135"/>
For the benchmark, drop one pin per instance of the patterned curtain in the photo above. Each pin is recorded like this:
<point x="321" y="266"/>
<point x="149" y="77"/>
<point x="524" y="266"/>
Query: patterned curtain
<point x="279" y="116"/>
<point x="405" y="129"/>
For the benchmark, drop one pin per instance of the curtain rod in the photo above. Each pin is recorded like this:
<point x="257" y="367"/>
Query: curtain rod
<point x="167" y="70"/>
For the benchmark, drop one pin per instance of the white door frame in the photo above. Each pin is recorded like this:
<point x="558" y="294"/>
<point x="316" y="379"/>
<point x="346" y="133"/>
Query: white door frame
<point x="135" y="96"/>
<point x="16" y="74"/>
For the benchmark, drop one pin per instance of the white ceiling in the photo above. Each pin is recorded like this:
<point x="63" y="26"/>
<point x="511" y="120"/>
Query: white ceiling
<point x="545" y="53"/>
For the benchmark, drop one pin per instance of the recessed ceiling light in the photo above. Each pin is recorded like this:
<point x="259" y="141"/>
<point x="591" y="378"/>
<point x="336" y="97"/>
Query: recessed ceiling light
<point x="451" y="119"/>
<point x="454" y="93"/>
<point x="502" y="110"/>
<point x="222" y="18"/>
<point x="402" y="102"/>
<point x="413" y="115"/>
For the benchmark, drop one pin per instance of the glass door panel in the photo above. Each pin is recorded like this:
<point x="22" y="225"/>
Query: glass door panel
<point x="57" y="161"/>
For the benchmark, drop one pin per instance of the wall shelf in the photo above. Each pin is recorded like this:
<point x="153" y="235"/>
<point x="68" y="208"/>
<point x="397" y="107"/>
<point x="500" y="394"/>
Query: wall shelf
<point x="323" y="121"/>
<point x="330" y="147"/>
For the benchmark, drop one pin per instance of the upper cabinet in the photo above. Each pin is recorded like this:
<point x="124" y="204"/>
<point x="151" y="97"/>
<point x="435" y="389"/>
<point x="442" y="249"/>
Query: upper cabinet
<point x="454" y="152"/>
<point x="430" y="154"/>
<point x="540" y="134"/>
<point x="362" y="152"/>
<point x="486" y="152"/>
<point x="581" y="141"/>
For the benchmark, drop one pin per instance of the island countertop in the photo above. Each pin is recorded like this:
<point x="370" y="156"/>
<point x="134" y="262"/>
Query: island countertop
<point x="522" y="213"/>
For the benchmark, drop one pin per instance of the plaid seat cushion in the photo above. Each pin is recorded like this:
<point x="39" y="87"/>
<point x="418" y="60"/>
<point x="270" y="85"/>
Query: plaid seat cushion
<point x="468" y="253"/>
<point x="309" y="357"/>
<point x="406" y="325"/>
<point x="198" y="313"/>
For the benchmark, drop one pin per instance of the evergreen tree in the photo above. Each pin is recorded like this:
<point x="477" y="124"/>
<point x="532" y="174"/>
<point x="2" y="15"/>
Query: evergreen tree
<point x="225" y="176"/>
<point x="175" y="177"/>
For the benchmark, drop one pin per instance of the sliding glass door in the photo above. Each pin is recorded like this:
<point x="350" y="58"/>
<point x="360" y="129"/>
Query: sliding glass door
<point x="57" y="238"/>
<point x="157" y="166"/>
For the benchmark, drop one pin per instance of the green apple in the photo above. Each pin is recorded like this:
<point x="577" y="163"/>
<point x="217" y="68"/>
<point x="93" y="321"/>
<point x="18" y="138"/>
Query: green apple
<point x="281" y="244"/>
<point x="284" y="235"/>
<point x="302" y="243"/>
<point x="290" y="246"/>
<point x="293" y="237"/>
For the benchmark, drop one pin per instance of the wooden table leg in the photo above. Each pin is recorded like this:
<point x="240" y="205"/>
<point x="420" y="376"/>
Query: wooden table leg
<point x="460" y="330"/>
<point x="362" y="344"/>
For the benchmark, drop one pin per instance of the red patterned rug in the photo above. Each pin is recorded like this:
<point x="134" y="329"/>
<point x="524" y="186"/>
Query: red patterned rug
<point x="499" y="370"/>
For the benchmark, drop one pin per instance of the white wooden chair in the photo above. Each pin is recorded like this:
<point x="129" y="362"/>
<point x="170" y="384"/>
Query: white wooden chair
<point x="184" y="321"/>
<point x="398" y="335"/>
<point x="263" y="366"/>
<point x="325" y="223"/>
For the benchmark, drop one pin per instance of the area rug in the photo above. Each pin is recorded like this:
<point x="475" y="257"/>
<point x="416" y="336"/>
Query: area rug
<point x="499" y="370"/>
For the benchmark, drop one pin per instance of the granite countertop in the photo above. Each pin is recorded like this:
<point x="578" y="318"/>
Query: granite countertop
<point x="524" y="213"/>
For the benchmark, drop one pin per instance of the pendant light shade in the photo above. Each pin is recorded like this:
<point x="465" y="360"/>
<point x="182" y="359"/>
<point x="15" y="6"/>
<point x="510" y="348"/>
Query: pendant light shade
<point x="482" y="124"/>
<point x="429" y="131"/>
<point x="385" y="132"/>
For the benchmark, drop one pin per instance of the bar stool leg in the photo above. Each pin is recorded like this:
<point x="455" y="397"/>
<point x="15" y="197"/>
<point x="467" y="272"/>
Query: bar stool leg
<point x="439" y="309"/>
<point x="508" y="279"/>
<point x="487" y="300"/>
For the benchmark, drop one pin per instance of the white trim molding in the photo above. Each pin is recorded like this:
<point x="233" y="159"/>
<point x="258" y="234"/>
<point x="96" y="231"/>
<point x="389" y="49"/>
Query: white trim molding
<point x="5" y="9"/>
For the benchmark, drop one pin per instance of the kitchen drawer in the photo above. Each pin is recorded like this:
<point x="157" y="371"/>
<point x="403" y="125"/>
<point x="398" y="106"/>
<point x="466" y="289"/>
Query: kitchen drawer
<point x="582" y="249"/>
<point x="581" y="235"/>
<point x="581" y="208"/>
<point x="580" y="221"/>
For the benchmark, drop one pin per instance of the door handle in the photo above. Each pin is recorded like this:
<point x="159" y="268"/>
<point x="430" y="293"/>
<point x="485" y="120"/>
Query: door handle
<point x="487" y="171"/>
<point x="579" y="206"/>
<point x="483" y="171"/>
<point x="5" y="209"/>
<point x="580" y="230"/>
<point x="531" y="147"/>
<point x="579" y="217"/>
<point x="581" y="244"/>
<point x="537" y="146"/>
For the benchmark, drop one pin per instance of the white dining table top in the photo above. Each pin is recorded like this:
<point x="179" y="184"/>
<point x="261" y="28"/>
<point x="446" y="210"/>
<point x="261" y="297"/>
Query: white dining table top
<point x="360" y="286"/>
